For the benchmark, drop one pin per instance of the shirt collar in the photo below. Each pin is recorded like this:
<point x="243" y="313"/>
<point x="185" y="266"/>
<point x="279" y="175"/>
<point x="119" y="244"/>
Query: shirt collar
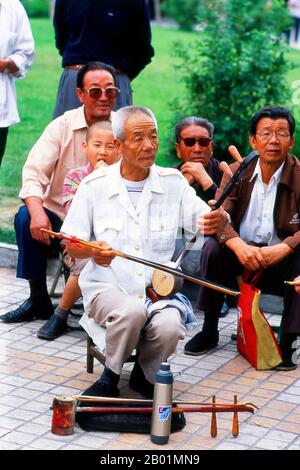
<point x="79" y="121"/>
<point x="275" y="177"/>
<point x="153" y="180"/>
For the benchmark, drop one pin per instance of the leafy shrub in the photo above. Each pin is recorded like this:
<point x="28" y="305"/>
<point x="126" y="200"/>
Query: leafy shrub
<point x="36" y="8"/>
<point x="184" y="12"/>
<point x="237" y="66"/>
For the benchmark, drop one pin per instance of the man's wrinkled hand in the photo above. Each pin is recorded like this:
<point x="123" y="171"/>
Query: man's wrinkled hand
<point x="36" y="223"/>
<point x="104" y="256"/>
<point x="212" y="221"/>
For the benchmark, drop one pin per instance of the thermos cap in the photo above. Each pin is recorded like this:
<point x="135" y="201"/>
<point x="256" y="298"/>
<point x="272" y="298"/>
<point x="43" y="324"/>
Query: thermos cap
<point x="165" y="366"/>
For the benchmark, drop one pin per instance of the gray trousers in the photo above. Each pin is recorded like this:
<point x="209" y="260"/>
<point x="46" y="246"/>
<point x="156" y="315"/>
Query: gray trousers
<point x="127" y="328"/>
<point x="67" y="97"/>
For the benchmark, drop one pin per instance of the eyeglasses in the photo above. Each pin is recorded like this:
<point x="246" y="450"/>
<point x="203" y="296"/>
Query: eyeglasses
<point x="191" y="141"/>
<point x="267" y="135"/>
<point x="96" y="92"/>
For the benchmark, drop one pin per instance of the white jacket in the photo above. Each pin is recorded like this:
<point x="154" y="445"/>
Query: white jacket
<point x="16" y="43"/>
<point x="102" y="210"/>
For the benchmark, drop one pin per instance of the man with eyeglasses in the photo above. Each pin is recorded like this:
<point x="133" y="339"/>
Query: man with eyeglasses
<point x="115" y="32"/>
<point x="57" y="151"/>
<point x="264" y="233"/>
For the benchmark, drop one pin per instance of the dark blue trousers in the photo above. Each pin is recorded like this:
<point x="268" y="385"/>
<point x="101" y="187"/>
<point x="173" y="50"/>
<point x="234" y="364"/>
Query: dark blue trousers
<point x="32" y="257"/>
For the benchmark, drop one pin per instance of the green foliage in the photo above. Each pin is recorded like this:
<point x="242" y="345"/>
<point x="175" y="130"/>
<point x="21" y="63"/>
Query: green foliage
<point x="184" y="12"/>
<point x="237" y="66"/>
<point x="36" y="8"/>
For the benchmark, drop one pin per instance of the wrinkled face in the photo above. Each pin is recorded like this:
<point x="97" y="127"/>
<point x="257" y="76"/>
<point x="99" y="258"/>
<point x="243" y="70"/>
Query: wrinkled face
<point x="101" y="148"/>
<point x="196" y="152"/>
<point x="96" y="109"/>
<point x="272" y="140"/>
<point x="140" y="143"/>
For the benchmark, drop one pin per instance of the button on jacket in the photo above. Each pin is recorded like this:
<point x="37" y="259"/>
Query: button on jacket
<point x="102" y="210"/>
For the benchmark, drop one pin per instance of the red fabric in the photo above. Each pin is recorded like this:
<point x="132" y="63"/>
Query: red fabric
<point x="255" y="338"/>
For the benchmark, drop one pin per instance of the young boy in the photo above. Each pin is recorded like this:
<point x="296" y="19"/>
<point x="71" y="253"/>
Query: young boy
<point x="101" y="151"/>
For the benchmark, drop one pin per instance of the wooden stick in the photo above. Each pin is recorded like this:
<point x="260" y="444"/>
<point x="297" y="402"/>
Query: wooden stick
<point x="213" y="425"/>
<point x="87" y="398"/>
<point x="175" y="409"/>
<point x="235" y="153"/>
<point x="235" y="421"/>
<point x="225" y="168"/>
<point x="292" y="283"/>
<point x="152" y="264"/>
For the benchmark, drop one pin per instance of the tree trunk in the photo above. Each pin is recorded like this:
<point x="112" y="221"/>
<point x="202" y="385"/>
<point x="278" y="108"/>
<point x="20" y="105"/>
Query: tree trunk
<point x="51" y="8"/>
<point x="157" y="11"/>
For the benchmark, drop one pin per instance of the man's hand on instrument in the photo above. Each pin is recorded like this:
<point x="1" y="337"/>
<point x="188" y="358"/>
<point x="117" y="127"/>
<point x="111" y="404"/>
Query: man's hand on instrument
<point x="103" y="257"/>
<point x="209" y="223"/>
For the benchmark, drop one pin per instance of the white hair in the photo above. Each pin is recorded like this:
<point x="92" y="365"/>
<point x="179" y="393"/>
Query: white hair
<point x="120" y="117"/>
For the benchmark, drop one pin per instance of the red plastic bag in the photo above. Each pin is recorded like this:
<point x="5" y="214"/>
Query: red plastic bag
<point x="255" y="338"/>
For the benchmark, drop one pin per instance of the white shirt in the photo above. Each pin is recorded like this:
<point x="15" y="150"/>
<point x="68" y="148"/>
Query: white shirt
<point x="16" y="43"/>
<point x="102" y="210"/>
<point x="257" y="224"/>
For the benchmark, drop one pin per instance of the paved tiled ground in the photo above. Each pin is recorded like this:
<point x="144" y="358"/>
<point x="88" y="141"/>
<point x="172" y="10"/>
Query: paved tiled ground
<point x="33" y="371"/>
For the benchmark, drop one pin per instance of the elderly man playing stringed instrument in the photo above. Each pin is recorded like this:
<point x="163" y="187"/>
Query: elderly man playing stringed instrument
<point x="135" y="207"/>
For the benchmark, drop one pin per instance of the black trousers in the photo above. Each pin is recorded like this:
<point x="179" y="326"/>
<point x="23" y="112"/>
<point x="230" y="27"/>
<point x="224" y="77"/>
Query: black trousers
<point x="220" y="265"/>
<point x="3" y="139"/>
<point x="32" y="256"/>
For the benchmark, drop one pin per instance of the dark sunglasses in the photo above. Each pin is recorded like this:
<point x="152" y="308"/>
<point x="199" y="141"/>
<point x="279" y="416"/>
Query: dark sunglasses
<point x="96" y="92"/>
<point x="191" y="141"/>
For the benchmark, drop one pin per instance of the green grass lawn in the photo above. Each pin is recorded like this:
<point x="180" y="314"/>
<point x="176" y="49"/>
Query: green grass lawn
<point x="155" y="88"/>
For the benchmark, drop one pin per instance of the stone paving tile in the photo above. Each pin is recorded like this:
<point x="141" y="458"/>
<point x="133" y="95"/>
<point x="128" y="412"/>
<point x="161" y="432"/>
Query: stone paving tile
<point x="33" y="371"/>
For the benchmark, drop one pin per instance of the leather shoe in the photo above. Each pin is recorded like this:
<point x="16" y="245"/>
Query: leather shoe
<point x="201" y="343"/>
<point x="101" y="389"/>
<point x="54" y="328"/>
<point x="28" y="311"/>
<point x="286" y="365"/>
<point x="139" y="383"/>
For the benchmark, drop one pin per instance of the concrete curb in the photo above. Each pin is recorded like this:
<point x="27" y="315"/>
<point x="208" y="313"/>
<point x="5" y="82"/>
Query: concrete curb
<point x="9" y="258"/>
<point x="8" y="255"/>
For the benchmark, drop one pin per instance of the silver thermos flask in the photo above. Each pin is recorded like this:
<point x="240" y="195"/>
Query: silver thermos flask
<point x="162" y="405"/>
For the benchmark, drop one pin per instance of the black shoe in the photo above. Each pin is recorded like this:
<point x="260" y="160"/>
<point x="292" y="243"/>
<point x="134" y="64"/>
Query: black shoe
<point x="101" y="389"/>
<point x="29" y="311"/>
<point x="286" y="365"/>
<point x="287" y="346"/>
<point x="139" y="383"/>
<point x="201" y="343"/>
<point x="54" y="328"/>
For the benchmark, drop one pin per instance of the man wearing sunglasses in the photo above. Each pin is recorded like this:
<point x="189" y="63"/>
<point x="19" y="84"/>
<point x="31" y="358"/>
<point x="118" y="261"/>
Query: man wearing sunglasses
<point x="194" y="147"/>
<point x="115" y="32"/>
<point x="57" y="151"/>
